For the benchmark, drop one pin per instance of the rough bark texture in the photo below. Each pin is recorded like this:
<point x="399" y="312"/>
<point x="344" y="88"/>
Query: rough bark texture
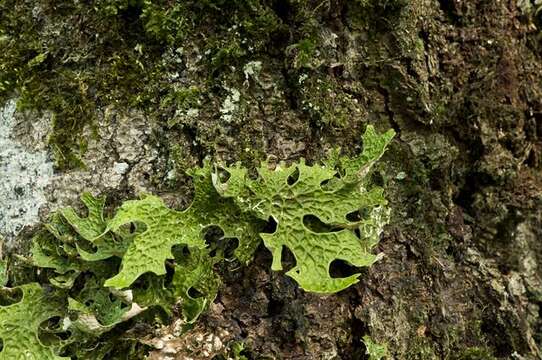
<point x="459" y="81"/>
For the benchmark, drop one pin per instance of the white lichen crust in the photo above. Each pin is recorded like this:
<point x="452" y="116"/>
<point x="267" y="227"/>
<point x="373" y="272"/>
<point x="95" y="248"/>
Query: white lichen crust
<point x="24" y="175"/>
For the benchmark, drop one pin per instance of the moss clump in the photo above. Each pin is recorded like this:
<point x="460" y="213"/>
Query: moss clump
<point x="95" y="62"/>
<point x="163" y="57"/>
<point x="114" y="52"/>
<point x="325" y="101"/>
<point x="474" y="353"/>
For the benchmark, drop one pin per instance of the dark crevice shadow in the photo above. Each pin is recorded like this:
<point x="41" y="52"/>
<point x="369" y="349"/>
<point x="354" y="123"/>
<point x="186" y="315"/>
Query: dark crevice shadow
<point x="314" y="224"/>
<point x="86" y="245"/>
<point x="294" y="177"/>
<point x="223" y="175"/>
<point x="194" y="293"/>
<point x="287" y="259"/>
<point x="214" y="239"/>
<point x="50" y="331"/>
<point x="358" y="330"/>
<point x="212" y="235"/>
<point x="10" y="296"/>
<point x="270" y="227"/>
<point x="341" y="269"/>
<point x="275" y="307"/>
<point x="448" y="8"/>
<point x="230" y="245"/>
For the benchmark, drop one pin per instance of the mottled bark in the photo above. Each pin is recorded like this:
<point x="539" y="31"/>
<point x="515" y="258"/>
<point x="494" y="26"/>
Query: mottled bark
<point x="461" y="84"/>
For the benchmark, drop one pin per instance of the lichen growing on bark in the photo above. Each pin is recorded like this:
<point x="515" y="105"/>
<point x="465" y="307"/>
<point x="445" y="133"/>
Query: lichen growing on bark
<point x="25" y="175"/>
<point x="77" y="257"/>
<point x="457" y="80"/>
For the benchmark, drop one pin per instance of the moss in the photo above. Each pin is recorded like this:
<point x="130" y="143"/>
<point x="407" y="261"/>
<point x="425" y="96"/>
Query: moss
<point x="168" y="24"/>
<point x="165" y="58"/>
<point x="326" y="102"/>
<point x="125" y="56"/>
<point x="474" y="353"/>
<point x="184" y="99"/>
<point x="376" y="14"/>
<point x="237" y="351"/>
<point x="304" y="54"/>
<point x="421" y="349"/>
<point x="70" y="75"/>
<point x="115" y="52"/>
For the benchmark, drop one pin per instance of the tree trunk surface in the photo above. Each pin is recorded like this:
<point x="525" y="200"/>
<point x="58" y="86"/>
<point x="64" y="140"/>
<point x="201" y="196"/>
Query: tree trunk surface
<point x="460" y="82"/>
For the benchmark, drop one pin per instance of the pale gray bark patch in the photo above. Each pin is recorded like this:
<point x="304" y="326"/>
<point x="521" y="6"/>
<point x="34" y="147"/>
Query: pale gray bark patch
<point x="24" y="175"/>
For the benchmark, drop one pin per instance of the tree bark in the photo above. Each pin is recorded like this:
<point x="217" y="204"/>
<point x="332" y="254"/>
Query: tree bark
<point x="459" y="81"/>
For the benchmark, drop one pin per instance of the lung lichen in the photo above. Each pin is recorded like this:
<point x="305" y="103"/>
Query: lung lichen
<point x="98" y="275"/>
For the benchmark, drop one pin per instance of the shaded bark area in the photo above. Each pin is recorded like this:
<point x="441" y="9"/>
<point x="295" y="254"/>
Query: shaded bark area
<point x="459" y="81"/>
<point x="461" y="277"/>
